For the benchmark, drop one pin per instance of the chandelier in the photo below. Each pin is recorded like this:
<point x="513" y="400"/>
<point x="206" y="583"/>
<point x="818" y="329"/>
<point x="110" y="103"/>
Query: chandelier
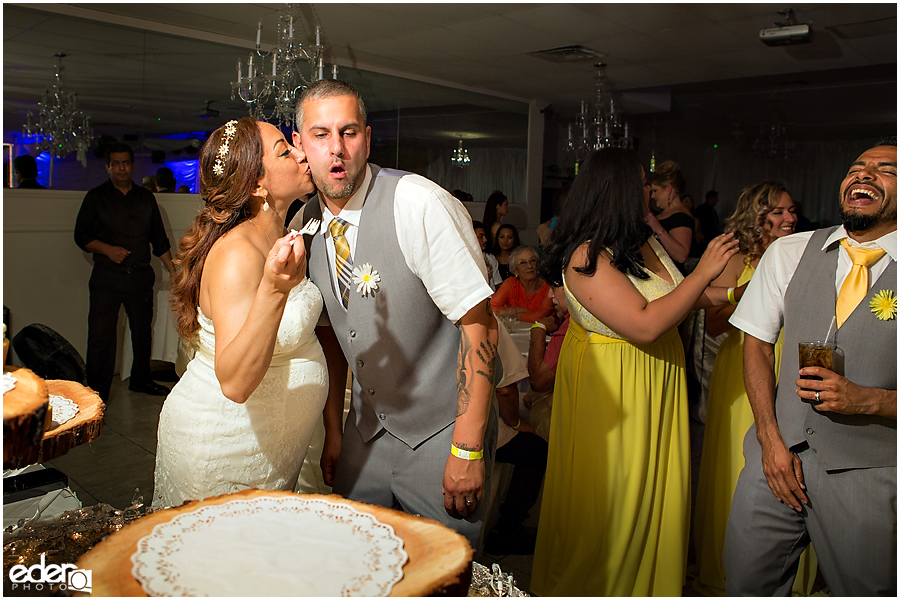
<point x="600" y="124"/>
<point x="292" y="65"/>
<point x="61" y="127"/>
<point x="460" y="156"/>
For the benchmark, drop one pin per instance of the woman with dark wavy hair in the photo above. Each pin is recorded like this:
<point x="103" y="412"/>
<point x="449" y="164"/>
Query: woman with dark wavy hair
<point x="614" y="517"/>
<point x="764" y="213"/>
<point x="243" y="413"/>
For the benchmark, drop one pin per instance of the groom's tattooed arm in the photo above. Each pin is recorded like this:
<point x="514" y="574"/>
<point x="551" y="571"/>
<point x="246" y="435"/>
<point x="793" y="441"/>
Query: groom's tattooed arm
<point x="473" y="363"/>
<point x="463" y="481"/>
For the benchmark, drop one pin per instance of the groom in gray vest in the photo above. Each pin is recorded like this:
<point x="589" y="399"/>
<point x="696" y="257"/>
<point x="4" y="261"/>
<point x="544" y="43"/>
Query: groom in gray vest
<point x="408" y="302"/>
<point x="821" y="459"/>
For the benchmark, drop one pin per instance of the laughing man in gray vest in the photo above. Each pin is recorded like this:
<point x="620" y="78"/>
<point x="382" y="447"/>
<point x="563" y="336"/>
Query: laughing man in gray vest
<point x="821" y="461"/>
<point x="407" y="297"/>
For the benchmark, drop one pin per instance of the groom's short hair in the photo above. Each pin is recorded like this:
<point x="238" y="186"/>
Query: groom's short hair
<point x="327" y="88"/>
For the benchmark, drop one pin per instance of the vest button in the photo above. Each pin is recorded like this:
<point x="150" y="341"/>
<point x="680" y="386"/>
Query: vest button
<point x="382" y="416"/>
<point x="360" y="364"/>
<point x="371" y="392"/>
<point x="352" y="333"/>
<point x="809" y="431"/>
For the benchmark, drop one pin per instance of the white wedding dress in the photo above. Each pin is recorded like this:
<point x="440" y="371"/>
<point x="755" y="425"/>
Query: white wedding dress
<point x="209" y="445"/>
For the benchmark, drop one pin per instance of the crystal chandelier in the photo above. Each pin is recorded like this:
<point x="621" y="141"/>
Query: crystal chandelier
<point x="772" y="141"/>
<point x="599" y="125"/>
<point x="460" y="156"/>
<point x="293" y="67"/>
<point x="61" y="127"/>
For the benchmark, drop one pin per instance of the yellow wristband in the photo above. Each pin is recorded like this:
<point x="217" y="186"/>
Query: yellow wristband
<point x="517" y="425"/>
<point x="465" y="454"/>
<point x="731" y="298"/>
<point x="538" y="324"/>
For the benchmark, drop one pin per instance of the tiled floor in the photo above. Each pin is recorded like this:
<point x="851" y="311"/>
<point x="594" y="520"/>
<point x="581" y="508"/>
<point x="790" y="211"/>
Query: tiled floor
<point x="118" y="466"/>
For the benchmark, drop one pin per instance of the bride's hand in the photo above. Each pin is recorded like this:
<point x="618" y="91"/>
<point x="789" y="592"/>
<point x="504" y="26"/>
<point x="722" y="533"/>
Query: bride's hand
<point x="286" y="263"/>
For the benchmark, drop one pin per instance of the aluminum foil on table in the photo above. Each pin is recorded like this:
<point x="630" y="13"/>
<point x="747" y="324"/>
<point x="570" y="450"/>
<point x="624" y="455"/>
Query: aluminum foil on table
<point x="65" y="540"/>
<point x="492" y="583"/>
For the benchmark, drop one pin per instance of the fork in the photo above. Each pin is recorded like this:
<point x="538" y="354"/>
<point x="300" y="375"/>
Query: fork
<point x="310" y="228"/>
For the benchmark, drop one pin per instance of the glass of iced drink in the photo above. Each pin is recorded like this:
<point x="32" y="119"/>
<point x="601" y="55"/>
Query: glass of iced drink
<point x="816" y="354"/>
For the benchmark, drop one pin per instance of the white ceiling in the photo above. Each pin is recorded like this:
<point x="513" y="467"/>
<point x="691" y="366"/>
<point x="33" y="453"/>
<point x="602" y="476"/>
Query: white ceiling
<point x="149" y="68"/>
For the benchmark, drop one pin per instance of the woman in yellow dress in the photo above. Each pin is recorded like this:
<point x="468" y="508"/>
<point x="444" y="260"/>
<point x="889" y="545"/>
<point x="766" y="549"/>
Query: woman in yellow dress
<point x="614" y="516"/>
<point x="764" y="213"/>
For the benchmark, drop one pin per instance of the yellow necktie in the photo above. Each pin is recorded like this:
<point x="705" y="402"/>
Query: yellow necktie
<point x="856" y="285"/>
<point x="343" y="262"/>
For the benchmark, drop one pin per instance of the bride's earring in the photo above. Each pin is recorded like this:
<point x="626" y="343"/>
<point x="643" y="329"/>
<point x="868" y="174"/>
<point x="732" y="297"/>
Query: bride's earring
<point x="265" y="203"/>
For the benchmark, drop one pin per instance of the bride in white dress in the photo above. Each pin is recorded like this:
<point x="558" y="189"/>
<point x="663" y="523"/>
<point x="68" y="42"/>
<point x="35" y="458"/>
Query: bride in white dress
<point x="244" y="411"/>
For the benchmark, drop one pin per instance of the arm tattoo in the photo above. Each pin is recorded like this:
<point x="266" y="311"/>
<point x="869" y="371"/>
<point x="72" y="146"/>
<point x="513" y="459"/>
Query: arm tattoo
<point x="462" y="390"/>
<point x="485" y="354"/>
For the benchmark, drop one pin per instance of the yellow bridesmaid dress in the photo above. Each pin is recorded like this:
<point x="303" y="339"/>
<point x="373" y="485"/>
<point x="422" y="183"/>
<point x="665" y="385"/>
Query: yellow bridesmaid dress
<point x="728" y="418"/>
<point x="615" y="510"/>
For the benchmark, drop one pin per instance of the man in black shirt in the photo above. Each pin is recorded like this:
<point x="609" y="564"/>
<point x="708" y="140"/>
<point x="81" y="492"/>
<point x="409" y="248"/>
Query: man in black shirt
<point x="118" y="222"/>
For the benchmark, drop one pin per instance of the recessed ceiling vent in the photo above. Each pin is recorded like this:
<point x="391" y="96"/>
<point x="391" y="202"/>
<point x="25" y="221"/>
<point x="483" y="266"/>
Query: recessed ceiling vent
<point x="569" y="54"/>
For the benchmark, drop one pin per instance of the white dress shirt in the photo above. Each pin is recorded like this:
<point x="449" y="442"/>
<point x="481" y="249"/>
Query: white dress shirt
<point x="760" y="312"/>
<point x="434" y="231"/>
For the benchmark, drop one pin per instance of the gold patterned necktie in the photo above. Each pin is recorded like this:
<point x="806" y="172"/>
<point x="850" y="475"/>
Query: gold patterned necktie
<point x="856" y="285"/>
<point x="343" y="262"/>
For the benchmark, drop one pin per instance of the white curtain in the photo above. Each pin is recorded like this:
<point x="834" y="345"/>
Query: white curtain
<point x="490" y="169"/>
<point x="812" y="171"/>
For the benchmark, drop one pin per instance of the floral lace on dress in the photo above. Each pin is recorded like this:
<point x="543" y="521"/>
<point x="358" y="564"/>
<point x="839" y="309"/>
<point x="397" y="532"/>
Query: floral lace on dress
<point x="651" y="289"/>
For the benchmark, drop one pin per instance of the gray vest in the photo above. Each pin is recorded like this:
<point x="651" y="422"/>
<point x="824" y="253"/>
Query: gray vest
<point x="868" y="348"/>
<point x="400" y="346"/>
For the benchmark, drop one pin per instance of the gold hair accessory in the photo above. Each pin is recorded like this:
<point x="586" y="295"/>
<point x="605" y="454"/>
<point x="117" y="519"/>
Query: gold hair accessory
<point x="230" y="130"/>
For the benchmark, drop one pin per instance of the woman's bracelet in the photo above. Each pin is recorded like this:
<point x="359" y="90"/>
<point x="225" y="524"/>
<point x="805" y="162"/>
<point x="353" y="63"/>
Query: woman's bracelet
<point x="518" y="424"/>
<point x="538" y="324"/>
<point x="465" y="454"/>
<point x="731" y="298"/>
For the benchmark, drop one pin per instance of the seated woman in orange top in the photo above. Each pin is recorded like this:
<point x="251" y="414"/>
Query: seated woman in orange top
<point x="524" y="296"/>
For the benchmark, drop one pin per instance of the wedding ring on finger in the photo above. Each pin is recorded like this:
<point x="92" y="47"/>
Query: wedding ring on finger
<point x="817" y="396"/>
<point x="470" y="502"/>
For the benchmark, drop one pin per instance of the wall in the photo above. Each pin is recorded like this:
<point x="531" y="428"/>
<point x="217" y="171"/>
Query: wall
<point x="45" y="275"/>
<point x="68" y="174"/>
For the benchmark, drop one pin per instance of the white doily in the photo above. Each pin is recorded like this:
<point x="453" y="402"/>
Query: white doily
<point x="9" y="382"/>
<point x="63" y="410"/>
<point x="286" y="546"/>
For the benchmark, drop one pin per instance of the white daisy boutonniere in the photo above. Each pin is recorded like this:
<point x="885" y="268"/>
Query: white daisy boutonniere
<point x="884" y="305"/>
<point x="366" y="279"/>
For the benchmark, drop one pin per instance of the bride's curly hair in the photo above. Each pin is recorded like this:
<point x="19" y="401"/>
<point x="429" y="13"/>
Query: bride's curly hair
<point x="748" y="223"/>
<point x="227" y="196"/>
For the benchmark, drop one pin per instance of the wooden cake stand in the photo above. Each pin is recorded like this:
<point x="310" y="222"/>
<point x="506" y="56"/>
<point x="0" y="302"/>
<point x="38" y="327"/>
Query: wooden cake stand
<point x="84" y="427"/>
<point x="440" y="559"/>
<point x="27" y="438"/>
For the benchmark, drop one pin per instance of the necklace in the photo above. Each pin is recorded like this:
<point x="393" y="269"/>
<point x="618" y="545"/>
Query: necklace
<point x="271" y="243"/>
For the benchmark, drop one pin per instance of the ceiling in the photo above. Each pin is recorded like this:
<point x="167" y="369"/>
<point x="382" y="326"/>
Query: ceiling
<point x="468" y="70"/>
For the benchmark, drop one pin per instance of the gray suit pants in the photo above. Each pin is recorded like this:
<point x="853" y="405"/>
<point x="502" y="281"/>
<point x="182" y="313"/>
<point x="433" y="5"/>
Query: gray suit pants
<point x="387" y="472"/>
<point x="851" y="520"/>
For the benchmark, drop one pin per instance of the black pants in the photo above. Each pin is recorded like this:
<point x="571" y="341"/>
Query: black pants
<point x="110" y="290"/>
<point x="528" y="452"/>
